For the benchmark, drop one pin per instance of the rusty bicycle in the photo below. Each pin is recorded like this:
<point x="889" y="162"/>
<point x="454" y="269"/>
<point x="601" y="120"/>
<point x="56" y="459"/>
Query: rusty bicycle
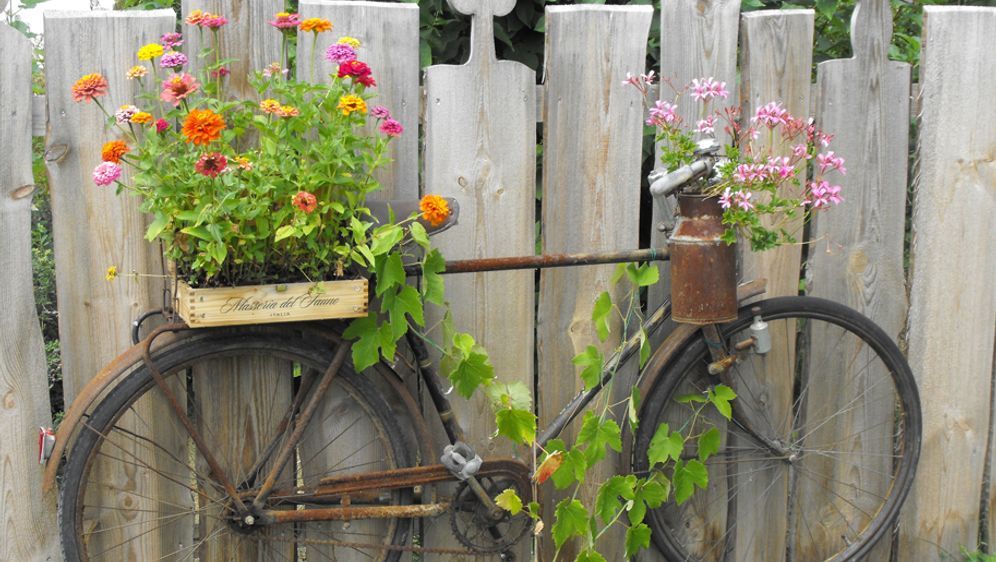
<point x="262" y="442"/>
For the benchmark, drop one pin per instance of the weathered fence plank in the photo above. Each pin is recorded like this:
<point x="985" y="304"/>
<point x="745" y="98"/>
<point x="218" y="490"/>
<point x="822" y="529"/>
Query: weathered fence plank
<point x="952" y="295"/>
<point x="856" y="258"/>
<point x="247" y="38"/>
<point x="771" y="71"/>
<point x="480" y="147"/>
<point x="24" y="403"/>
<point x="388" y="33"/>
<point x="698" y="39"/>
<point x="94" y="229"/>
<point x="591" y="199"/>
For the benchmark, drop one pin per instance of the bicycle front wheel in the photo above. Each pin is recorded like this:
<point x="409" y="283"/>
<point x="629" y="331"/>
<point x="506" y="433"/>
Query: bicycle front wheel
<point x="136" y="486"/>
<point x="820" y="451"/>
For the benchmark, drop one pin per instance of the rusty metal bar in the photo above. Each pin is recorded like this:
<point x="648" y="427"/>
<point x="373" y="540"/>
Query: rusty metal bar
<point x="414" y="476"/>
<point x="547" y="261"/>
<point x="271" y="517"/>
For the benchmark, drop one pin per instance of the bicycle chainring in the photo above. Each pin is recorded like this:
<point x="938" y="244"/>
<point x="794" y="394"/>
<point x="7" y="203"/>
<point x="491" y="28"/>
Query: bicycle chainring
<point x="475" y="528"/>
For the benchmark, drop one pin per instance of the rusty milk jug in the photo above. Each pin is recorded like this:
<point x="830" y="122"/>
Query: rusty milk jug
<point x="703" y="267"/>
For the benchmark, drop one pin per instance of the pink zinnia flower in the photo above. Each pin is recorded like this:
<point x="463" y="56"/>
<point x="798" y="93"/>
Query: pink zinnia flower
<point x="285" y="20"/>
<point x="162" y="125"/>
<point x="173" y="59"/>
<point x="391" y="128"/>
<point x="340" y="53"/>
<point x="106" y="173"/>
<point x="380" y="112"/>
<point x="214" y="22"/>
<point x="171" y="40"/>
<point x="663" y="114"/>
<point x="771" y="114"/>
<point x="211" y="164"/>
<point x="178" y="87"/>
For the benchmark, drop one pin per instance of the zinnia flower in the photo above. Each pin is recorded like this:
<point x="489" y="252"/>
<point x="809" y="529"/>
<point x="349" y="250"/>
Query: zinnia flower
<point x="203" y="126"/>
<point x="269" y="106"/>
<point x="288" y="111"/>
<point x="113" y="151"/>
<point x="137" y="71"/>
<point x="243" y="162"/>
<point x="391" y="128"/>
<point x="196" y="17"/>
<point x="340" y="53"/>
<point x="213" y="21"/>
<point x="350" y="103"/>
<point x="285" y="20"/>
<point x="211" y="164"/>
<point x="316" y="25"/>
<point x="124" y="113"/>
<point x="141" y="118"/>
<point x="106" y="173"/>
<point x="162" y="125"/>
<point x="173" y="59"/>
<point x="358" y="71"/>
<point x="89" y="87"/>
<point x="220" y="72"/>
<point x="351" y="41"/>
<point x="380" y="112"/>
<point x="178" y="87"/>
<point x="435" y="209"/>
<point x="150" y="51"/>
<point x="273" y="69"/>
<point x="305" y="201"/>
<point x="171" y="40"/>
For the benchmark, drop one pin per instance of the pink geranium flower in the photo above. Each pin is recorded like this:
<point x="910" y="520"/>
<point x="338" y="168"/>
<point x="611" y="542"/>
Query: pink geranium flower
<point x="771" y="114"/>
<point x="831" y="161"/>
<point x="663" y="114"/>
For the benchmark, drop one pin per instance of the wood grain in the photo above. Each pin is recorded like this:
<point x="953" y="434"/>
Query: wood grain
<point x="698" y="39"/>
<point x="480" y="147"/>
<point x="770" y="71"/>
<point x="856" y="258"/>
<point x="388" y="33"/>
<point x="94" y="229"/>
<point x="591" y="201"/>
<point x="248" y="38"/>
<point x="952" y="297"/>
<point x="24" y="404"/>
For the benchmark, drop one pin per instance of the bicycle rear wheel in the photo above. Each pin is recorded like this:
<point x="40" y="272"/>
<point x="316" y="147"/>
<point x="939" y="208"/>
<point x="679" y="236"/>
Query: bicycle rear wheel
<point x="821" y="450"/>
<point x="137" y="488"/>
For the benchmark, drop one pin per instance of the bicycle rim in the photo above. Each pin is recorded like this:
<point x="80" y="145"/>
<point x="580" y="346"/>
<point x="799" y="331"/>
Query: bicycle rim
<point x="820" y="458"/>
<point x="136" y="486"/>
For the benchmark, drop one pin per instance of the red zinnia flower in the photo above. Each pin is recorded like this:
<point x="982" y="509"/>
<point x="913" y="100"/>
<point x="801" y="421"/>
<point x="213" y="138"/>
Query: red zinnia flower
<point x="211" y="164"/>
<point x="357" y="70"/>
<point x="305" y="201"/>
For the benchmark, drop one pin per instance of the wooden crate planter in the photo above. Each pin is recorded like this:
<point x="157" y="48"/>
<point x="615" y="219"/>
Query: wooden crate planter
<point x="264" y="304"/>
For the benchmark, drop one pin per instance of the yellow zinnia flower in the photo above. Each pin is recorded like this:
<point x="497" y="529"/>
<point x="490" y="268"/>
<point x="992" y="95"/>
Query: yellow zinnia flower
<point x="269" y="106"/>
<point x="351" y="103"/>
<point x="141" y="118"/>
<point x="351" y="41"/>
<point x="150" y="51"/>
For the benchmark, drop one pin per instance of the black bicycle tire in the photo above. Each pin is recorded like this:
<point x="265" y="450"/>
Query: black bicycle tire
<point x="217" y="344"/>
<point x="810" y="307"/>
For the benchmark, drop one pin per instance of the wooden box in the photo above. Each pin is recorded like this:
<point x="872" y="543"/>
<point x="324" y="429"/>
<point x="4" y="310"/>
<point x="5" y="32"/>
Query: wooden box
<point x="263" y="304"/>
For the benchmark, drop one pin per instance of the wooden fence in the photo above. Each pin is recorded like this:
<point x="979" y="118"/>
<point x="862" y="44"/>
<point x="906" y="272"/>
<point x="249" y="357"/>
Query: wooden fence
<point x="479" y="127"/>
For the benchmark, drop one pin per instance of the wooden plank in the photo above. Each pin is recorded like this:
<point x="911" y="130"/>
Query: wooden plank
<point x="856" y="258"/>
<point x="698" y="39"/>
<point x="388" y="33"/>
<point x="248" y="38"/>
<point x="24" y="404"/>
<point x="772" y="71"/>
<point x="952" y="297"/>
<point x="480" y="147"/>
<point x="262" y="304"/>
<point x="591" y="175"/>
<point x="39" y="116"/>
<point x="93" y="229"/>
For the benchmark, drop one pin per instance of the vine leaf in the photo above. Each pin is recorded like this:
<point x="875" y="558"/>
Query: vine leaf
<point x="572" y="520"/>
<point x="637" y="537"/>
<point x="607" y="502"/>
<point x="509" y="501"/>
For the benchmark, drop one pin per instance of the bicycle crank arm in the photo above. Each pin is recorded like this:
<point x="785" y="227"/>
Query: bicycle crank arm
<point x="349" y="513"/>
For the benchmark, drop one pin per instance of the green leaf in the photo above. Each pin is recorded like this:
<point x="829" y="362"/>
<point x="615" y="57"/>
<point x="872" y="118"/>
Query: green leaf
<point x="686" y="477"/>
<point x="689" y="398"/>
<point x="517" y="425"/>
<point x="509" y="501"/>
<point x="652" y="494"/>
<point x="409" y="302"/>
<point x="665" y="445"/>
<point x="590" y="360"/>
<point x="644" y="347"/>
<point x="598" y="434"/>
<point x="590" y="556"/>
<point x="390" y="273"/>
<point x="643" y="275"/>
<point x="600" y="315"/>
<point x="709" y="443"/>
<point x="633" y="408"/>
<point x="432" y="283"/>
<point x="637" y="537"/>
<point x="419" y="235"/>
<point x="285" y="231"/>
<point x="514" y="395"/>
<point x="607" y="502"/>
<point x="156" y="227"/>
<point x="366" y="347"/>
<point x="572" y="520"/>
<point x="385" y="238"/>
<point x="470" y="372"/>
<point x="572" y="469"/>
<point x="720" y="396"/>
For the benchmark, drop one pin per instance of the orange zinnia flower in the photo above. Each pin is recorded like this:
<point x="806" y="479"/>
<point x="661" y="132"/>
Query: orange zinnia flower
<point x="203" y="126"/>
<point x="89" y="87"/>
<point x="318" y="25"/>
<point x="113" y="151"/>
<point x="434" y="209"/>
<point x="269" y="106"/>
